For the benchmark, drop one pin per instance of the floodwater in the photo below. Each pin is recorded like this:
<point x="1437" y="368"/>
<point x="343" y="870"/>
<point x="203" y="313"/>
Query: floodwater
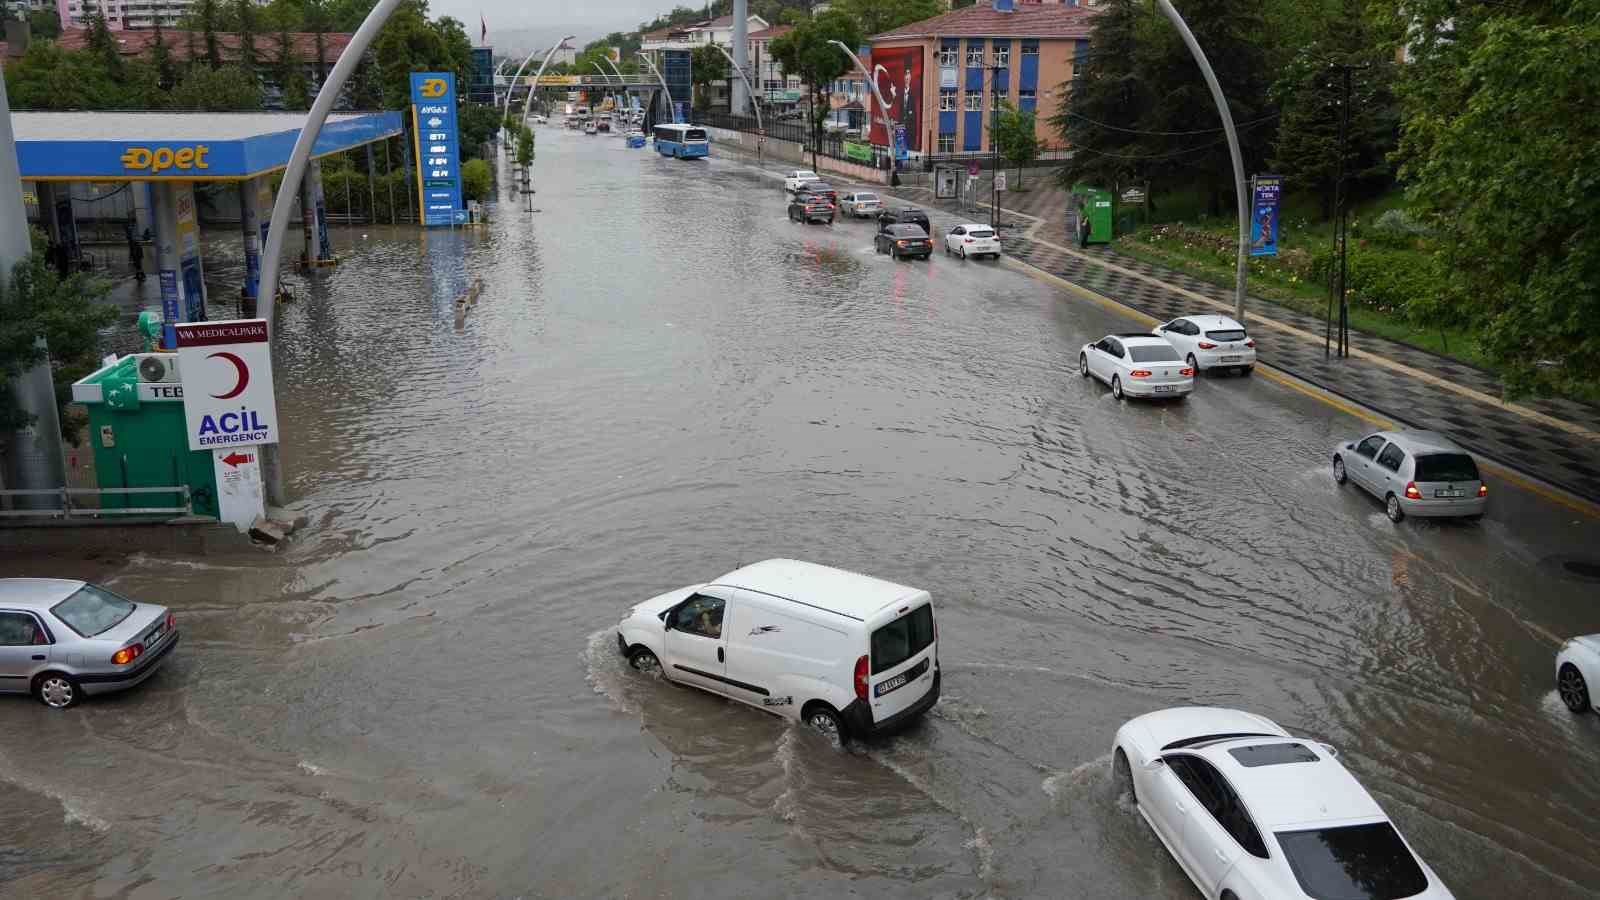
<point x="663" y="379"/>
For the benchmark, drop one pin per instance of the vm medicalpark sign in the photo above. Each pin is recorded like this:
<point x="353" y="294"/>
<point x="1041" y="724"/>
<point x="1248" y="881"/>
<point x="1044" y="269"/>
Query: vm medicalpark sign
<point x="229" y="407"/>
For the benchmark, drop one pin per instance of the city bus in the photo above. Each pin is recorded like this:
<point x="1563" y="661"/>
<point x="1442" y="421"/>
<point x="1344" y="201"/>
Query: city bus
<point x="682" y="141"/>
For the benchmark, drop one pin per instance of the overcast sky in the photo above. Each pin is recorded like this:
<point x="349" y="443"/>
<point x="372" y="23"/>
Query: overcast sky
<point x="518" y="22"/>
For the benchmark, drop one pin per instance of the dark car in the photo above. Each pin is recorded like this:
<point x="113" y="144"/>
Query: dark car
<point x="903" y="240"/>
<point x="811" y="208"/>
<point x="817" y="189"/>
<point x="905" y="215"/>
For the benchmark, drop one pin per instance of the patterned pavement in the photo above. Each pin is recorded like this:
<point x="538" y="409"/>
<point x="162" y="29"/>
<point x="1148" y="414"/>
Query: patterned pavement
<point x="1554" y="440"/>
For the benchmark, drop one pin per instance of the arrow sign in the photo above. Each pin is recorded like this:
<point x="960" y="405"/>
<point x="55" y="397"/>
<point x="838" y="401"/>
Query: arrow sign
<point x="234" y="458"/>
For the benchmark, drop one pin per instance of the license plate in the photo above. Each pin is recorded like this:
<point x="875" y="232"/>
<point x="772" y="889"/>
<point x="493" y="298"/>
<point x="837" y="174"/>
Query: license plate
<point x="1449" y="492"/>
<point x="1230" y="359"/>
<point x="885" y="687"/>
<point x="1163" y="388"/>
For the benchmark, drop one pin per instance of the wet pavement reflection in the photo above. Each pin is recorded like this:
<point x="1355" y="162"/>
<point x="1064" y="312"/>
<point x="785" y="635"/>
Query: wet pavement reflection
<point x="663" y="379"/>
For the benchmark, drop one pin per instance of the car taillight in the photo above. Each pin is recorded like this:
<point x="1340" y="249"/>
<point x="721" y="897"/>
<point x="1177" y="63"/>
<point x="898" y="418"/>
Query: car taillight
<point x="172" y="621"/>
<point x="861" y="678"/>
<point x="1139" y="373"/>
<point x="127" y="655"/>
<point x="1186" y="372"/>
<point x="1250" y="343"/>
<point x="1206" y="345"/>
<point x="1483" y="490"/>
<point x="1411" y="491"/>
<point x="967" y="241"/>
<point x="900" y="243"/>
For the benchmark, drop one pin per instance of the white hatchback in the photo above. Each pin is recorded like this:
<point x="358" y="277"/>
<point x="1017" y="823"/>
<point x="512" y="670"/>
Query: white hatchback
<point x="793" y="179"/>
<point x="848" y="654"/>
<point x="1250" y="813"/>
<point x="1136" y="365"/>
<point x="1211" y="342"/>
<point x="972" y="240"/>
<point x="1577" y="667"/>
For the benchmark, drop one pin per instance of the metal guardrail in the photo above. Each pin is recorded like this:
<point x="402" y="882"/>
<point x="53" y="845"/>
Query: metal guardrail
<point x="66" y="510"/>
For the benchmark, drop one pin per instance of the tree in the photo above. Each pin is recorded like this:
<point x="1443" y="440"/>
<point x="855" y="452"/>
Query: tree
<point x="161" y="58"/>
<point x="1501" y="154"/>
<point x="291" y="75"/>
<point x="49" y="77"/>
<point x="476" y="179"/>
<point x="410" y="43"/>
<point x="806" y="52"/>
<point x="707" y="64"/>
<point x="207" y="12"/>
<point x="98" y="41"/>
<point x="524" y="146"/>
<point x="66" y="312"/>
<point x="877" y="16"/>
<point x="1311" y="94"/>
<point x="225" y="88"/>
<point x="478" y="124"/>
<point x="1107" y="88"/>
<point x="246" y="24"/>
<point x="44" y="24"/>
<point x="1015" y="135"/>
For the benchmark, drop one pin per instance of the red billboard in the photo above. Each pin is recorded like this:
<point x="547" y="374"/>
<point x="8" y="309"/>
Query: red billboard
<point x="900" y="83"/>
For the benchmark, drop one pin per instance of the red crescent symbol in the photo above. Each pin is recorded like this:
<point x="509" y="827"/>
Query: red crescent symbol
<point x="244" y="375"/>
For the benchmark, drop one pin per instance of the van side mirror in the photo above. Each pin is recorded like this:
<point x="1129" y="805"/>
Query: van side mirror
<point x="1332" y="750"/>
<point x="1349" y="446"/>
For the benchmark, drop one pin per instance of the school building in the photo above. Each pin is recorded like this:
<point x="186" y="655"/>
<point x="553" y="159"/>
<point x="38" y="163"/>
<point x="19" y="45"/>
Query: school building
<point x="942" y="77"/>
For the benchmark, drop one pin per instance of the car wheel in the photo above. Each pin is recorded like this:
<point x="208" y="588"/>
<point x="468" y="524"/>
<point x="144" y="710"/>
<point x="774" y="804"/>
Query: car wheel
<point x="1123" y="775"/>
<point x="643" y="660"/>
<point x="894" y="253"/>
<point x="1391" y="506"/>
<point x="963" y="253"/>
<point x="1574" y="691"/>
<point x="1083" y="365"/>
<point x="1193" y="365"/>
<point x="1338" y="470"/>
<point x="1116" y="386"/>
<point x="821" y="718"/>
<point x="1246" y="370"/>
<point x="57" y="690"/>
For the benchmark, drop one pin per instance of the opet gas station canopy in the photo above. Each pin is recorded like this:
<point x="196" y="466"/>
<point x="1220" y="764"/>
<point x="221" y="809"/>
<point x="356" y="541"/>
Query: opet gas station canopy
<point x="194" y="146"/>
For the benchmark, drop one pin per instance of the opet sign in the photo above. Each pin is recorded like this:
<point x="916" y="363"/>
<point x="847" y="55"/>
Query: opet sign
<point x="154" y="160"/>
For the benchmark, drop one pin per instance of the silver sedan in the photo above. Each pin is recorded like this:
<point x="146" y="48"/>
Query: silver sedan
<point x="61" y="640"/>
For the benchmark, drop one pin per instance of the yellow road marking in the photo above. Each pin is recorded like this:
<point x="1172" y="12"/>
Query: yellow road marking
<point x="1387" y="363"/>
<point x="1277" y="376"/>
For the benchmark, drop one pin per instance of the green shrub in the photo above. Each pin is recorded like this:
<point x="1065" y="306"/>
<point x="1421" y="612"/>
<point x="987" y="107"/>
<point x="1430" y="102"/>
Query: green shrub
<point x="1390" y="281"/>
<point x="476" y="180"/>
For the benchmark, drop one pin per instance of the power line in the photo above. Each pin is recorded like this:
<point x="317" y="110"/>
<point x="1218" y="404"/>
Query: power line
<point x="1110" y="127"/>
<point x="1174" y="153"/>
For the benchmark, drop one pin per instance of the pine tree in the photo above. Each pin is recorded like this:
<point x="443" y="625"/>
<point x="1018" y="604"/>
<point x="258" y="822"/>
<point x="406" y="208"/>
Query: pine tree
<point x="245" y="12"/>
<point x="161" y="55"/>
<point x="291" y="77"/>
<point x="1108" y="90"/>
<point x="207" y="10"/>
<point x="98" y="40"/>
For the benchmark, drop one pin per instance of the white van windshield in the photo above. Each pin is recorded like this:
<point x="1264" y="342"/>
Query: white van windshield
<point x="902" y="639"/>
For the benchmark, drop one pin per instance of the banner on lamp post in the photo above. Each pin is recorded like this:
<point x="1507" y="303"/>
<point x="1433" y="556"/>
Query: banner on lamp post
<point x="1266" y="192"/>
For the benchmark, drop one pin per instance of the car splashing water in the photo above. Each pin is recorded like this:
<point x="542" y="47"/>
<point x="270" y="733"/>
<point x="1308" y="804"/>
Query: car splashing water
<point x="663" y="379"/>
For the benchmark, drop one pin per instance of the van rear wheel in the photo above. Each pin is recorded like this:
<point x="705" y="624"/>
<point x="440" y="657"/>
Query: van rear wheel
<point x="821" y="718"/>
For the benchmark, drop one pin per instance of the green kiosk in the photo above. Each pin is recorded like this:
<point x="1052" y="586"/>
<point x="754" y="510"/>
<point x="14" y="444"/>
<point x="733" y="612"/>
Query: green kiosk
<point x="136" y="428"/>
<point x="1089" y="215"/>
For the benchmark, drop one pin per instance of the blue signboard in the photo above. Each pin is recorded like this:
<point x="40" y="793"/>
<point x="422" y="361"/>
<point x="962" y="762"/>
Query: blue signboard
<point x="900" y="152"/>
<point x="169" y="309"/>
<point x="433" y="110"/>
<point x="1267" y="190"/>
<point x="677" y="112"/>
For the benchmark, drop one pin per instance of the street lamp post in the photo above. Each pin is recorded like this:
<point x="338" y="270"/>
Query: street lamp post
<point x="994" y="151"/>
<point x="883" y="106"/>
<point x="1233" y="149"/>
<point x="761" y="129"/>
<point x="534" y="88"/>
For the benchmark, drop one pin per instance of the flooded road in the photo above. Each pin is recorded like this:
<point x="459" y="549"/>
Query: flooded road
<point x="663" y="379"/>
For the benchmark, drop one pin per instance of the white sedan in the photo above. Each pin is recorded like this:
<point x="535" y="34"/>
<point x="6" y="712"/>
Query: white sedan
<point x="1211" y="342"/>
<point x="1577" y="667"/>
<point x="972" y="240"/>
<point x="792" y="180"/>
<point x="1137" y="365"/>
<point x="1251" y="813"/>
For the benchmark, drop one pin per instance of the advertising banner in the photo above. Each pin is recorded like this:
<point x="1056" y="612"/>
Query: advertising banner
<point x="857" y="152"/>
<point x="901" y="85"/>
<point x="433" y="118"/>
<point x="900" y="142"/>
<point x="1266" y="192"/>
<point x="228" y="398"/>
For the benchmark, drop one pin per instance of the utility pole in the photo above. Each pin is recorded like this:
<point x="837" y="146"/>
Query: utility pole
<point x="741" y="98"/>
<point x="994" y="151"/>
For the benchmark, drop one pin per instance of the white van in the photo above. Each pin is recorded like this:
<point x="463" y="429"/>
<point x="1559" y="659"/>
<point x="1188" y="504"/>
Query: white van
<point x="848" y="654"/>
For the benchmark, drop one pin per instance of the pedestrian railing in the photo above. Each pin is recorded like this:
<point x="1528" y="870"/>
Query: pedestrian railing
<point x="65" y="509"/>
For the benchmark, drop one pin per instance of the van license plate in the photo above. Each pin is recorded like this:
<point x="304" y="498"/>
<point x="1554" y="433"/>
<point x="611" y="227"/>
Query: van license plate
<point x="885" y="687"/>
<point x="901" y="680"/>
<point x="1163" y="388"/>
<point x="1449" y="492"/>
<point x="1231" y="359"/>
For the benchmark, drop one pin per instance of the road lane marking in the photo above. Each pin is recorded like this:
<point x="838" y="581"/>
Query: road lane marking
<point x="1383" y="361"/>
<point x="1278" y="376"/>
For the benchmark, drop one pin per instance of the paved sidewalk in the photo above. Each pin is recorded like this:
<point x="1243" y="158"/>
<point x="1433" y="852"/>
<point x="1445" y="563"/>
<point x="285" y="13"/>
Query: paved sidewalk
<point x="1556" y="441"/>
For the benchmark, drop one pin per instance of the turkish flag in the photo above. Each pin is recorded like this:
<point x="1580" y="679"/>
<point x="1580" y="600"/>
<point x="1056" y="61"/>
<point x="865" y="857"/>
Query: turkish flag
<point x="483" y="29"/>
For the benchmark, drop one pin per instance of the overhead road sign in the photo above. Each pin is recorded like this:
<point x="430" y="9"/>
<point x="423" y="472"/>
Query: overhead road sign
<point x="154" y="146"/>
